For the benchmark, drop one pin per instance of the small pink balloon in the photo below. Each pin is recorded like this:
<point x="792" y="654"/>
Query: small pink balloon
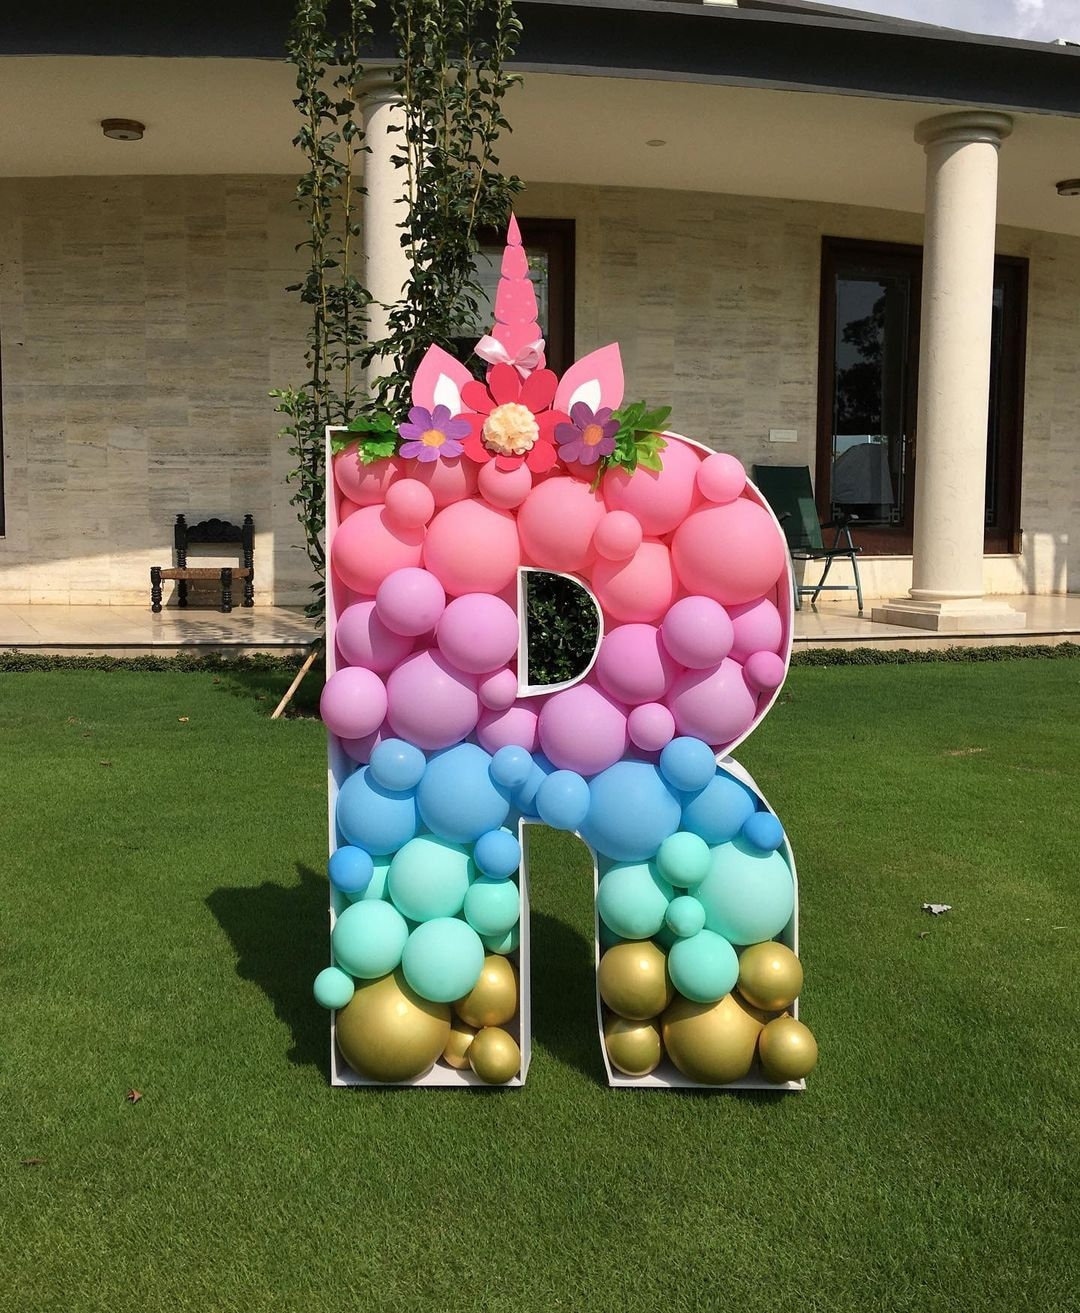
<point x="449" y="480"/>
<point x="431" y="704"/>
<point x="364" y="640"/>
<point x="410" y="601"/>
<point x="639" y="590"/>
<point x="360" y="750"/>
<point x="556" y="523"/>
<point x="658" y="500"/>
<point x="757" y="626"/>
<point x="345" y="509"/>
<point x="714" y="705"/>
<point x="478" y="633"/>
<point x="617" y="536"/>
<point x="764" y="672"/>
<point x="514" y="727"/>
<point x="583" y="730"/>
<point x="410" y="502"/>
<point x="369" y="546"/>
<point x="633" y="666"/>
<point x="733" y="553"/>
<point x="499" y="690"/>
<point x="651" y="726"/>
<point x="353" y="702"/>
<point x="472" y="548"/>
<point x="365" y="485"/>
<point x="697" y="632"/>
<point x="504" y="489"/>
<point x="721" y="478"/>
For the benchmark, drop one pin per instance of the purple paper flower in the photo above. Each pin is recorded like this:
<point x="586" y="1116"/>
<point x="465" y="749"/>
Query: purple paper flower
<point x="587" y="437"/>
<point x="430" y="434"/>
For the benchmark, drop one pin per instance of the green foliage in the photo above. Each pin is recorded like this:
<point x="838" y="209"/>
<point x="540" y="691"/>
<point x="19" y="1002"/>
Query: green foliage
<point x="562" y="628"/>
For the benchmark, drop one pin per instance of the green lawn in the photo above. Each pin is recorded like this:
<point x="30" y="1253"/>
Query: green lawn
<point x="163" y="912"/>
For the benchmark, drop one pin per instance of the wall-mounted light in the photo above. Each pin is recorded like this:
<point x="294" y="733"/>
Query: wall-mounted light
<point x="1069" y="187"/>
<point x="123" y="129"/>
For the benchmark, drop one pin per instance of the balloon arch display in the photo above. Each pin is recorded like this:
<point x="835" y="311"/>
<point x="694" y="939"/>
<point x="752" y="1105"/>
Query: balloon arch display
<point x="441" y="752"/>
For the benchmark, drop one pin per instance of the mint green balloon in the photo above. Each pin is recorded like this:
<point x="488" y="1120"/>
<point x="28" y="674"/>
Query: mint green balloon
<point x="502" y="944"/>
<point x="333" y="988"/>
<point x="704" y="967"/>
<point x="748" y="895"/>
<point x="632" y="899"/>
<point x="493" y="907"/>
<point x="685" y="916"/>
<point x="376" y="888"/>
<point x="684" y="859"/>
<point x="368" y="939"/>
<point x="443" y="959"/>
<point x="429" y="878"/>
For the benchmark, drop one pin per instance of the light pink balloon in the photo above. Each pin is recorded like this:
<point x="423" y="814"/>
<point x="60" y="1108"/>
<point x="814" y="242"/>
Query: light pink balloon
<point x="764" y="672"/>
<point x="733" y="553"/>
<point x="658" y="500"/>
<point x="517" y="727"/>
<point x="582" y="729"/>
<point x="639" y="590"/>
<point x="431" y="703"/>
<point x="410" y="503"/>
<point x="633" y="665"/>
<point x="365" y="485"/>
<point x="410" y="601"/>
<point x="651" y="726"/>
<point x="757" y="627"/>
<point x="360" y="750"/>
<point x="478" y="633"/>
<point x="556" y="523"/>
<point x="721" y="478"/>
<point x="369" y="546"/>
<point x="449" y="480"/>
<point x="353" y="702"/>
<point x="505" y="488"/>
<point x="363" y="639"/>
<point x="697" y="632"/>
<point x="714" y="705"/>
<point x="472" y="548"/>
<point x="498" y="690"/>
<point x="617" y="536"/>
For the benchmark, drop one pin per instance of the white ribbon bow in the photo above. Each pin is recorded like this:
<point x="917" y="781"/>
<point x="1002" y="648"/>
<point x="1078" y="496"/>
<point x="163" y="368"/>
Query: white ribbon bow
<point x="527" y="359"/>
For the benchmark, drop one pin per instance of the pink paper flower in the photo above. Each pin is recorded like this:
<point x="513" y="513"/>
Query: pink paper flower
<point x="588" y="436"/>
<point x="513" y="420"/>
<point x="431" y="434"/>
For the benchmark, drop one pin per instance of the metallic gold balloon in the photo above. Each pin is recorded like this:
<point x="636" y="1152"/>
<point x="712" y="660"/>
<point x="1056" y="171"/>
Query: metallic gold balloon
<point x="711" y="1042"/>
<point x="494" y="1056"/>
<point x="389" y="1033"/>
<point x="633" y="1047"/>
<point x="456" y="1053"/>
<point x="788" y="1050"/>
<point x="770" y="976"/>
<point x="634" y="981"/>
<point x="493" y="999"/>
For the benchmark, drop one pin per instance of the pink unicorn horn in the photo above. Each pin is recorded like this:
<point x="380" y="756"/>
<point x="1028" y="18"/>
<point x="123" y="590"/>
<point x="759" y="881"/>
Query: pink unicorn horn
<point x="515" y="338"/>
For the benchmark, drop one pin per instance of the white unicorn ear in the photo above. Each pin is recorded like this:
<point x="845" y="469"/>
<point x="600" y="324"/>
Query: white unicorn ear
<point x="596" y="379"/>
<point x="438" y="381"/>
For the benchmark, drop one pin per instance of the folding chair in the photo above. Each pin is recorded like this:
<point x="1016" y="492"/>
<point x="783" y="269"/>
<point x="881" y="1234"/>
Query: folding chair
<point x="788" y="491"/>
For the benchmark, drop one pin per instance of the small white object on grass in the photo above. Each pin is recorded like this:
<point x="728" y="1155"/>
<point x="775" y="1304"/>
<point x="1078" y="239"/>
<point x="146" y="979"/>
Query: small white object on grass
<point x="936" y="909"/>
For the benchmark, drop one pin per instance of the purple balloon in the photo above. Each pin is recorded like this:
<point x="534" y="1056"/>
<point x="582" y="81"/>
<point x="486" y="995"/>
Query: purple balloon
<point x="583" y="730"/>
<point x="697" y="632"/>
<point x="478" y="633"/>
<point x="431" y="703"/>
<point x="364" y="640"/>
<point x="410" y="601"/>
<point x="353" y="702"/>
<point x="757" y="627"/>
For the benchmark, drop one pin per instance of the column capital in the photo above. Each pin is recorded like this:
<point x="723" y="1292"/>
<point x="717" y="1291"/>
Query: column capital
<point x="981" y="125"/>
<point x="377" y="87"/>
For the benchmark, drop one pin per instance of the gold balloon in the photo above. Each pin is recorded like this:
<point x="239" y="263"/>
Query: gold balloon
<point x="711" y="1042"/>
<point x="633" y="1047"/>
<point x="770" y="976"/>
<point x="492" y="1001"/>
<point x="387" y="1032"/>
<point x="456" y="1053"/>
<point x="634" y="981"/>
<point x="494" y="1056"/>
<point x="788" y="1050"/>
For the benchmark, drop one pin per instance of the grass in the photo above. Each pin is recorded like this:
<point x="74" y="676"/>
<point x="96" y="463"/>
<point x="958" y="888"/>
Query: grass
<point x="163" y="914"/>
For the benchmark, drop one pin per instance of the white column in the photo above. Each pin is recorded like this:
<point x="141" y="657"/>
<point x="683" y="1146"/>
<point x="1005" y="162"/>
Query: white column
<point x="954" y="378"/>
<point x="386" y="266"/>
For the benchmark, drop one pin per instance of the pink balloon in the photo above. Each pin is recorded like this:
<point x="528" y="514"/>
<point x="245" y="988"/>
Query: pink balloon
<point x="499" y="690"/>
<point x="363" y="639"/>
<point x="639" y="590"/>
<point x="430" y="703"/>
<point x="360" y="750"/>
<point x="618" y="536"/>
<point x="369" y="546"/>
<point x="449" y="480"/>
<point x="478" y="633"/>
<point x="658" y="500"/>
<point x="633" y="666"/>
<point x="556" y="523"/>
<point x="651" y="726"/>
<point x="721" y="478"/>
<point x="345" y="509"/>
<point x="714" y="705"/>
<point x="472" y="548"/>
<point x="733" y="553"/>
<point x="697" y="632"/>
<point x="410" y="503"/>
<point x="505" y="488"/>
<point x="353" y="702"/>
<point x="517" y="727"/>
<point x="764" y="672"/>
<point x="365" y="485"/>
<point x="581" y="729"/>
<point x="410" y="601"/>
<point x="757" y="627"/>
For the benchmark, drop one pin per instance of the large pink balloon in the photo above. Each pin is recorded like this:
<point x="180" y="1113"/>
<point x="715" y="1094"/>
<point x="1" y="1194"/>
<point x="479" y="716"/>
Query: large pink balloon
<point x="353" y="702"/>
<point x="472" y="548"/>
<point x="639" y="590"/>
<point x="517" y="727"/>
<point x="757" y="627"/>
<point x="363" y="639"/>
<point x="662" y="499"/>
<point x="410" y="601"/>
<point x="431" y="703"/>
<point x="697" y="632"/>
<point x="633" y="666"/>
<point x="733" y="553"/>
<point x="365" y="485"/>
<point x="449" y="480"/>
<point x="714" y="705"/>
<point x="557" y="521"/>
<point x="478" y="633"/>
<point x="369" y="546"/>
<point x="582" y="729"/>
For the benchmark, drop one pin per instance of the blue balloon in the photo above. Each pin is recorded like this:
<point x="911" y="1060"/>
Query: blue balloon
<point x="375" y="818"/>
<point x="748" y="895"/>
<point x="687" y="764"/>
<point x="511" y="766"/>
<point x="368" y="939"/>
<point x="719" y="811"/>
<point x="458" y="799"/>
<point x="350" y="870"/>
<point x="562" y="800"/>
<point x="397" y="765"/>
<point x="631" y="811"/>
<point x="497" y="854"/>
<point x="763" y="831"/>
<point x="525" y="796"/>
<point x="632" y="899"/>
<point x="704" y="967"/>
<point x="443" y="959"/>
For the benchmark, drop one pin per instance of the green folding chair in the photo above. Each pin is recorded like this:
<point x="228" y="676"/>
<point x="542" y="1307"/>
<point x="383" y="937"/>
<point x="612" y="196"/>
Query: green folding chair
<point x="788" y="491"/>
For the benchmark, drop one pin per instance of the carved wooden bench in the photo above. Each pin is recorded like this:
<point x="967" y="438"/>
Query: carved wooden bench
<point x="212" y="532"/>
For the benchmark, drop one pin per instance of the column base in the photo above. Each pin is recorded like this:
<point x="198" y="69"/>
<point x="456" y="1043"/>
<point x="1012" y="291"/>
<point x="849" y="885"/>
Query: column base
<point x="961" y="615"/>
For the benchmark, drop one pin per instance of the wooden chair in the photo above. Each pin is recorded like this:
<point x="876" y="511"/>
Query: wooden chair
<point x="211" y="532"/>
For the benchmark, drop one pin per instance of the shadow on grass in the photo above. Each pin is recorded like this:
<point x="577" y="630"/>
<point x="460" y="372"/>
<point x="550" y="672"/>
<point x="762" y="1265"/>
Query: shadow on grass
<point x="564" y="996"/>
<point x="268" y="686"/>
<point x="280" y="937"/>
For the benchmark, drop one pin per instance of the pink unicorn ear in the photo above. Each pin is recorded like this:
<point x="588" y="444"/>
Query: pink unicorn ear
<point x="438" y="381"/>
<point x="596" y="379"/>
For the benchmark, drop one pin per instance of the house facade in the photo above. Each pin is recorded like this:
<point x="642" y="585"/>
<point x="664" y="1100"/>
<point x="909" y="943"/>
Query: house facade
<point x="824" y="239"/>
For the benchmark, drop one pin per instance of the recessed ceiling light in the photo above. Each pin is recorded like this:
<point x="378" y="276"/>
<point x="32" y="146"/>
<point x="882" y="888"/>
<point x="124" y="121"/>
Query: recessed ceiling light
<point x="656" y="141"/>
<point x="123" y="129"/>
<point x="1069" y="187"/>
